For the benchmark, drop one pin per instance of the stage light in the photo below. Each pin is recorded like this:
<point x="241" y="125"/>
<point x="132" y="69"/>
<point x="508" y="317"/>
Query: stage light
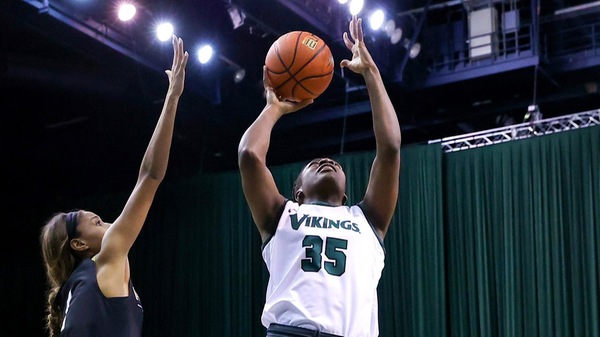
<point x="356" y="6"/>
<point x="396" y="35"/>
<point x="343" y="2"/>
<point x="126" y="12"/>
<point x="533" y="114"/>
<point x="205" y="54"/>
<point x="414" y="50"/>
<point x="239" y="72"/>
<point x="376" y="19"/>
<point x="389" y="27"/>
<point x="164" y="31"/>
<point x="237" y="16"/>
<point x="239" y="75"/>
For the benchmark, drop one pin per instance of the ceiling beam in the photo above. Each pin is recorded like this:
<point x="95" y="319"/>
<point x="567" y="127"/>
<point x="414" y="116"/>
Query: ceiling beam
<point x="110" y="37"/>
<point x="96" y="30"/>
<point x="320" y="116"/>
<point x="308" y="16"/>
<point x="474" y="71"/>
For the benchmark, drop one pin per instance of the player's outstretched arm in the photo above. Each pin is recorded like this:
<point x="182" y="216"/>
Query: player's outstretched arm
<point x="121" y="235"/>
<point x="381" y="195"/>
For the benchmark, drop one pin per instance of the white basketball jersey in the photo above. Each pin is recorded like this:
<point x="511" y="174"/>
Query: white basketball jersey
<point x="324" y="264"/>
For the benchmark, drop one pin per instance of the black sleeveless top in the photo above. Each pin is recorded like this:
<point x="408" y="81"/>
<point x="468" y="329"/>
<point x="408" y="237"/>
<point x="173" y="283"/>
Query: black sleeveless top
<point x="88" y="313"/>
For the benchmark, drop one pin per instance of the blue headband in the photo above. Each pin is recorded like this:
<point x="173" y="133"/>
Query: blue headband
<point x="72" y="224"/>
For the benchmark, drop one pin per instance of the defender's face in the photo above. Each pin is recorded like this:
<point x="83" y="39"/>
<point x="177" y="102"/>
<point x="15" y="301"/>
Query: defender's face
<point x="91" y="230"/>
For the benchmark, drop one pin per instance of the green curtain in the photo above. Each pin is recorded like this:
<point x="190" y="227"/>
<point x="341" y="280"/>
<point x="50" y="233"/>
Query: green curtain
<point x="522" y="237"/>
<point x="211" y="261"/>
<point x="412" y="293"/>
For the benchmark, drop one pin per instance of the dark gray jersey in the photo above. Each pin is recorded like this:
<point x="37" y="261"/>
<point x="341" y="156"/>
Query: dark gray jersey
<point x="88" y="313"/>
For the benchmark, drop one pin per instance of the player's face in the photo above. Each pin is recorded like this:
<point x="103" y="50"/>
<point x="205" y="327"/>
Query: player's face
<point x="323" y="175"/>
<point x="323" y="164"/>
<point x="91" y="230"/>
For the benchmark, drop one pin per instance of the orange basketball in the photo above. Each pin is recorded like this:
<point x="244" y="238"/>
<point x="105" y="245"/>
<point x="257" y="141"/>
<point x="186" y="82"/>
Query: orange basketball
<point x="299" y="66"/>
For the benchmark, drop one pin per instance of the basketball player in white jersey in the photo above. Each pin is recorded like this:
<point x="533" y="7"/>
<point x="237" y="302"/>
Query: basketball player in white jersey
<point x="324" y="257"/>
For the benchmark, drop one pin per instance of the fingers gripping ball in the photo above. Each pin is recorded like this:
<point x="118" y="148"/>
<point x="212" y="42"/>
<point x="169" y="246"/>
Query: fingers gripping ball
<point x="299" y="66"/>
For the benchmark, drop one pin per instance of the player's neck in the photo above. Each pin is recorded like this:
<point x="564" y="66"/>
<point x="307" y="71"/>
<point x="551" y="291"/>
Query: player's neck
<point x="321" y="202"/>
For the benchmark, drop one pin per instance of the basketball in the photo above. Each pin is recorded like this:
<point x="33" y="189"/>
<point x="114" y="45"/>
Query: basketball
<point x="299" y="66"/>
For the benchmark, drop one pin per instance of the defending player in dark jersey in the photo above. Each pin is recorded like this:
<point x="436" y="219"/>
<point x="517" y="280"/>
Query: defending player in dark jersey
<point x="91" y="292"/>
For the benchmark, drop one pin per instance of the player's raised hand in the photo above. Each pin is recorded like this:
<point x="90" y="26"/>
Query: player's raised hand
<point x="361" y="59"/>
<point x="284" y="106"/>
<point x="177" y="72"/>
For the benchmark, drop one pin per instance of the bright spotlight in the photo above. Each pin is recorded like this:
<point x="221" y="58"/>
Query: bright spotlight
<point x="126" y="12"/>
<point x="356" y="6"/>
<point x="164" y="31"/>
<point x="205" y="54"/>
<point x="376" y="19"/>
<point x="342" y="1"/>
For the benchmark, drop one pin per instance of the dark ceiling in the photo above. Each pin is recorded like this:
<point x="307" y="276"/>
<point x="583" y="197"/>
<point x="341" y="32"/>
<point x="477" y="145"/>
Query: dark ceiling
<point x="81" y="92"/>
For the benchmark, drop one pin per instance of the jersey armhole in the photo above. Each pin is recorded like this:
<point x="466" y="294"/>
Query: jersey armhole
<point x="372" y="227"/>
<point x="275" y="223"/>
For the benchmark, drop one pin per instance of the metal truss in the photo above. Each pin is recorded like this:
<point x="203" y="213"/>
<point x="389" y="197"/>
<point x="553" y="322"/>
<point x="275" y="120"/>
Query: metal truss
<point x="520" y="131"/>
